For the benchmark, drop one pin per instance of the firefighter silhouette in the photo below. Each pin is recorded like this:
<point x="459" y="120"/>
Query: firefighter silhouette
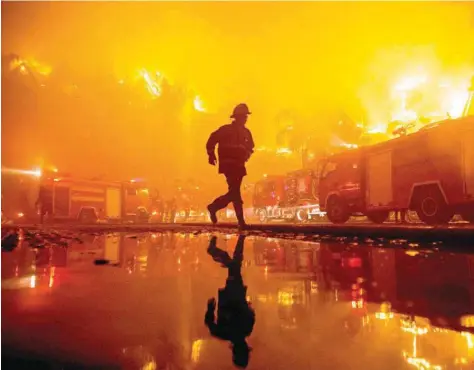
<point x="235" y="316"/>
<point x="235" y="146"/>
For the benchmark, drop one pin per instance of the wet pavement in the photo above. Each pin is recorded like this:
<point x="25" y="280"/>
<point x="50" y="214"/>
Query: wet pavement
<point x="144" y="301"/>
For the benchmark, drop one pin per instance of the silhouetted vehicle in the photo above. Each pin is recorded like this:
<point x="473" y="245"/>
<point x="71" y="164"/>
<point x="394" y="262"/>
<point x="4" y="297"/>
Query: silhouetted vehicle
<point x="61" y="197"/>
<point x="291" y="197"/>
<point x="430" y="172"/>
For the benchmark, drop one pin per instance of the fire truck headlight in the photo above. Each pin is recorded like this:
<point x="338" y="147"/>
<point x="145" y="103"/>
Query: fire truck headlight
<point x="37" y="172"/>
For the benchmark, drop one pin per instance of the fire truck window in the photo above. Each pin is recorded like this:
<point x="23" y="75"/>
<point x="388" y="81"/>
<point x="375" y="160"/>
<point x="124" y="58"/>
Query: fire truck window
<point x="328" y="168"/>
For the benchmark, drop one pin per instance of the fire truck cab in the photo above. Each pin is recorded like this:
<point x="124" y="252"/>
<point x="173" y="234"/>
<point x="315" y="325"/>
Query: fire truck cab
<point x="430" y="172"/>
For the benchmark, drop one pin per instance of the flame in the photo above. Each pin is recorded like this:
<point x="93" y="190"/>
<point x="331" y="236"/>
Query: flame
<point x="198" y="104"/>
<point x="153" y="87"/>
<point x="283" y="151"/>
<point x="380" y="128"/>
<point x="24" y="65"/>
<point x="451" y="101"/>
<point x="456" y="100"/>
<point x="410" y="83"/>
<point x="349" y="146"/>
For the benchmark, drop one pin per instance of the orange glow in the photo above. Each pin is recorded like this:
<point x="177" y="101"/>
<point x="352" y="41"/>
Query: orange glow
<point x="101" y="106"/>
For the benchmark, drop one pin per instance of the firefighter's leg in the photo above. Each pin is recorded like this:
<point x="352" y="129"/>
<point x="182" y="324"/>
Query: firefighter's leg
<point x="220" y="202"/>
<point x="236" y="196"/>
<point x="239" y="250"/>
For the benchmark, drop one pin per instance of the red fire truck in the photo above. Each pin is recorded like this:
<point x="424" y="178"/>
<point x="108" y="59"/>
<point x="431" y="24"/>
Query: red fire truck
<point x="287" y="197"/>
<point x="430" y="172"/>
<point x="71" y="198"/>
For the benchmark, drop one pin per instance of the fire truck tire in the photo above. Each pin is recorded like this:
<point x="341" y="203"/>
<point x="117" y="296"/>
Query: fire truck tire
<point x="262" y="216"/>
<point x="468" y="216"/>
<point x="431" y="207"/>
<point x="301" y="215"/>
<point x="337" y="210"/>
<point x="378" y="217"/>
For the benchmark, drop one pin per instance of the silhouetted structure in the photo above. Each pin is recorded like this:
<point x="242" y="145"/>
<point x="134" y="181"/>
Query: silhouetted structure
<point x="235" y="316"/>
<point x="45" y="202"/>
<point x="235" y="146"/>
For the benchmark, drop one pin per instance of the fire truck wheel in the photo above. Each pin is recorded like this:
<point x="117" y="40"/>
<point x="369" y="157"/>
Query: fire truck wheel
<point x="262" y="216"/>
<point x="468" y="216"/>
<point x="301" y="215"/>
<point x="378" y="217"/>
<point x="337" y="211"/>
<point x="431" y="207"/>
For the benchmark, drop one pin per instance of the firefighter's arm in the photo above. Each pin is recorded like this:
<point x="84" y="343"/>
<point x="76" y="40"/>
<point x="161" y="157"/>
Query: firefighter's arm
<point x="211" y="146"/>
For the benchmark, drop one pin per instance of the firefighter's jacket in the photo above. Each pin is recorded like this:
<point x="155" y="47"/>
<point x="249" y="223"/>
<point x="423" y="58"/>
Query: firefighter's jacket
<point x="235" y="146"/>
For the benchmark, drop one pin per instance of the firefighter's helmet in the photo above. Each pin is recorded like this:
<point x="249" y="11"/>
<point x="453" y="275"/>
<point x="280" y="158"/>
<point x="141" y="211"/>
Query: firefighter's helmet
<point x="240" y="110"/>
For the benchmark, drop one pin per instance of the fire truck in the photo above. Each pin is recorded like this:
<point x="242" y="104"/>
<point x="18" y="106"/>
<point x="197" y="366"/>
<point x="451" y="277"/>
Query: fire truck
<point x="430" y="172"/>
<point x="74" y="199"/>
<point x="291" y="197"/>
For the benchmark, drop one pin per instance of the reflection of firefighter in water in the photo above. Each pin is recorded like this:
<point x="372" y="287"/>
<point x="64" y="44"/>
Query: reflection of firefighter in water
<point x="235" y="316"/>
<point x="44" y="202"/>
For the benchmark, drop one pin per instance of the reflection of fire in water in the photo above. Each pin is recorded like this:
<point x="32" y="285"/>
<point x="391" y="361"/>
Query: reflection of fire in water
<point x="196" y="350"/>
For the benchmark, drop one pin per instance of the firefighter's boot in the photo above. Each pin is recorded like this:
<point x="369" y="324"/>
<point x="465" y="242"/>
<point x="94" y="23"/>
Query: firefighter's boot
<point x="239" y="213"/>
<point x="212" y="213"/>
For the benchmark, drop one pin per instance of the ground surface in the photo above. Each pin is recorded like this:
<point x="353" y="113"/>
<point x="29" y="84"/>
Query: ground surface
<point x="137" y="300"/>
